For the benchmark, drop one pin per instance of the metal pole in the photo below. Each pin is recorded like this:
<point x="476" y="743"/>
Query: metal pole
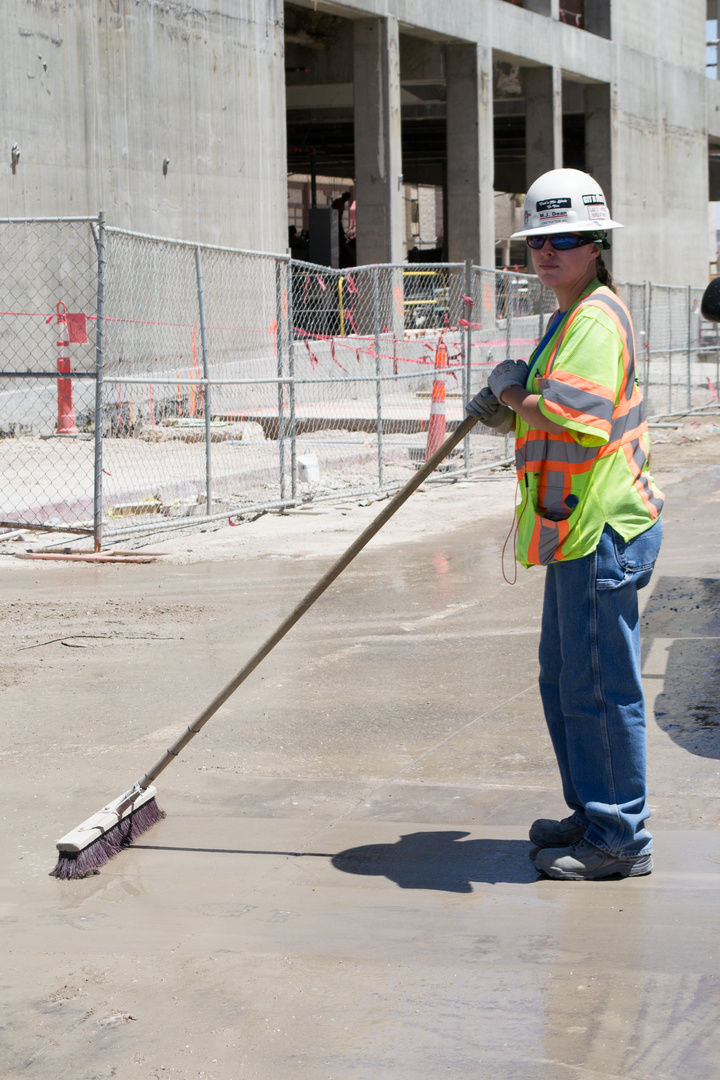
<point x="206" y="375"/>
<point x="645" y="341"/>
<point x="291" y="373"/>
<point x="509" y="296"/>
<point x="467" y="371"/>
<point x="689" y="346"/>
<point x="670" y="346"/>
<point x="648" y="351"/>
<point x="279" y="355"/>
<point x="378" y="373"/>
<point x="99" y="359"/>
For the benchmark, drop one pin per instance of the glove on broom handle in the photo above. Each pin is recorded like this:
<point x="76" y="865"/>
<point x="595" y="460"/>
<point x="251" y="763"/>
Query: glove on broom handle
<point x="395" y="503"/>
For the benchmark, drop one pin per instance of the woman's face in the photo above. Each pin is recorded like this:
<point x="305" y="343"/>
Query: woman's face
<point x="567" y="271"/>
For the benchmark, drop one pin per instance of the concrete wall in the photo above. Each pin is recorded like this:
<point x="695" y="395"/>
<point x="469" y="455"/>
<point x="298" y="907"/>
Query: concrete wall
<point x="96" y="93"/>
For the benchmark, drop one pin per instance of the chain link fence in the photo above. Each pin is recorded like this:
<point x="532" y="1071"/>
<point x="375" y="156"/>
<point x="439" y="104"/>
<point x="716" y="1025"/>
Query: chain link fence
<point x="144" y="381"/>
<point x="48" y="323"/>
<point x="682" y="366"/>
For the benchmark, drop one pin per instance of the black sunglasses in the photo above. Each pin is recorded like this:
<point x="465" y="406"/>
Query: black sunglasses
<point x="563" y="241"/>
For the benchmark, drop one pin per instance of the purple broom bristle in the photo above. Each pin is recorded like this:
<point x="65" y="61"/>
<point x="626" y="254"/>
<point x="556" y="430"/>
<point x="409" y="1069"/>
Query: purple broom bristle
<point x="90" y="859"/>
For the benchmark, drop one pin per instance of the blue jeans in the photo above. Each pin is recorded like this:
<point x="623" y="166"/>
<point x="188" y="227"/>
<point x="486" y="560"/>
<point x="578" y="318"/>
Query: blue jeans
<point x="591" y="687"/>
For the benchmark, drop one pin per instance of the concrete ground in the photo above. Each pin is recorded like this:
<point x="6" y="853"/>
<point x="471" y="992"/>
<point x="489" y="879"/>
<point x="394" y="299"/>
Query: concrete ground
<point x="341" y="887"/>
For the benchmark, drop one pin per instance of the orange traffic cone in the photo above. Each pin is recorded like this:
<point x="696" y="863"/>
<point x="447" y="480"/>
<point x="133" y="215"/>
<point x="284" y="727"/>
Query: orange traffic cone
<point x="436" y="426"/>
<point x="66" y="410"/>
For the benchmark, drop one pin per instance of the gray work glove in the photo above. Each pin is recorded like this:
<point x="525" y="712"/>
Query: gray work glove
<point x="508" y="373"/>
<point x="490" y="412"/>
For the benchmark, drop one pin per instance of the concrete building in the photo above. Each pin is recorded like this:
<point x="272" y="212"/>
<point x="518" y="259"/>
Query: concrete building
<point x="169" y="116"/>
<point x="187" y="119"/>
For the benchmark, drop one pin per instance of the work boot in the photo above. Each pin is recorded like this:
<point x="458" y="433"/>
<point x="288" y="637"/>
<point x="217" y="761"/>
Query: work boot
<point x="585" y="862"/>
<point x="548" y="833"/>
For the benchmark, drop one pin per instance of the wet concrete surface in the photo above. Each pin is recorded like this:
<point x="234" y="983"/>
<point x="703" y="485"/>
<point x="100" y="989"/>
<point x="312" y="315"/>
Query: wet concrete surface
<point x="341" y="888"/>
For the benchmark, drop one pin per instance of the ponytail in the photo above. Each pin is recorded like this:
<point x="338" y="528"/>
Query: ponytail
<point x="603" y="274"/>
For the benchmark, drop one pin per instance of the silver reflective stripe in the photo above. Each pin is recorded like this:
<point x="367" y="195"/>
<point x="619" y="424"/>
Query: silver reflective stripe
<point x="575" y="398"/>
<point x="629" y="422"/>
<point x="624" y="320"/>
<point x="552" y="450"/>
<point x="639" y="455"/>
<point x="547" y="541"/>
<point x="649" y="493"/>
<point x="639" y="458"/>
<point x="554" y="494"/>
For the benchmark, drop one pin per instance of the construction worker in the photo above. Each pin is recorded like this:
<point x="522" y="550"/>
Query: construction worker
<point x="589" y="512"/>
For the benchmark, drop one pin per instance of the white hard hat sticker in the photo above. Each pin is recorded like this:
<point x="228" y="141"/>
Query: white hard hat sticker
<point x="594" y="200"/>
<point x="553" y="204"/>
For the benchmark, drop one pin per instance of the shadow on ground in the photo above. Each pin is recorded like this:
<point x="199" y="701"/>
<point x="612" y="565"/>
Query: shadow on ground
<point x="442" y="861"/>
<point x="687" y="610"/>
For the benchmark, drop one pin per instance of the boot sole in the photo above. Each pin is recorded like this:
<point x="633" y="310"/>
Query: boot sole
<point x="638" y="868"/>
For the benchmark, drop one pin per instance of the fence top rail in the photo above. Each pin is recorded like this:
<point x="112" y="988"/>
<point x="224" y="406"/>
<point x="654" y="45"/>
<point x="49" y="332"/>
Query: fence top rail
<point x="674" y="288"/>
<point x="506" y="273"/>
<point x="405" y="267"/>
<point x="48" y="220"/>
<point x="196" y="244"/>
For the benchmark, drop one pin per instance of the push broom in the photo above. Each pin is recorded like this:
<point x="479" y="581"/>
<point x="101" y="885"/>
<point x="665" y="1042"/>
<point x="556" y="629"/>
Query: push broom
<point x="88" y="847"/>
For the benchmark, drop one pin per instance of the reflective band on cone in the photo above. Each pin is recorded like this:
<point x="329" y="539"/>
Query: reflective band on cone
<point x="66" y="410"/>
<point x="436" y="426"/>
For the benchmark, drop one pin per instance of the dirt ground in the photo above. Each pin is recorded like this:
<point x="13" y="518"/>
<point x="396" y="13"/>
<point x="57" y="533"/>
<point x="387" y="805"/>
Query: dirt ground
<point x="341" y="887"/>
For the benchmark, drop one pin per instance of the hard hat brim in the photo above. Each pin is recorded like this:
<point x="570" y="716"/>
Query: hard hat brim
<point x="569" y="227"/>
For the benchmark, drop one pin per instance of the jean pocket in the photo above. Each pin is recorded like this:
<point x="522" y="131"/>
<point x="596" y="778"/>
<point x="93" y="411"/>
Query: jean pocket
<point x="620" y="562"/>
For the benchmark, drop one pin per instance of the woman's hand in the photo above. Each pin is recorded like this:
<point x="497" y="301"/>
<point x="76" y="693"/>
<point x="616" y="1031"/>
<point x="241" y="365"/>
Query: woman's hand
<point x="508" y="373"/>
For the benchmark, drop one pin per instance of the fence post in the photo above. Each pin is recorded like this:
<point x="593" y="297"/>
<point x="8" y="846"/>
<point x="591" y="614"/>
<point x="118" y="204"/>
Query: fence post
<point x="689" y="347"/>
<point x="378" y="373"/>
<point x="509" y="297"/>
<point x="99" y="360"/>
<point x="467" y="370"/>
<point x="291" y="375"/>
<point x="648" y="351"/>
<point x="206" y="376"/>
<point x="670" y="346"/>
<point x="279" y="357"/>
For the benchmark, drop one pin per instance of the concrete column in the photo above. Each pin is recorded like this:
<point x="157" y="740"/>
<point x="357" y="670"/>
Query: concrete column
<point x="599" y="143"/>
<point x="378" y="150"/>
<point x="598" y="136"/>
<point x="469" y="193"/>
<point x="543" y="121"/>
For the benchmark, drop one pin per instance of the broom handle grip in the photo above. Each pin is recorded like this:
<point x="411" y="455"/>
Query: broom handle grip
<point x="327" y="579"/>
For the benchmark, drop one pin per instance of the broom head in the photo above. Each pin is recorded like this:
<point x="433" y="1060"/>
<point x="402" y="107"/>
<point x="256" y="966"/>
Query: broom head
<point x="88" y="847"/>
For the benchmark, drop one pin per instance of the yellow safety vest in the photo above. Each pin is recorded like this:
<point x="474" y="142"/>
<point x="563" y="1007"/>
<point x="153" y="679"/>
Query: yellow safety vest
<point x="570" y="490"/>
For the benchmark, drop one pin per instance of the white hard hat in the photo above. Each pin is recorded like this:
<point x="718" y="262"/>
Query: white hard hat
<point x="565" y="200"/>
